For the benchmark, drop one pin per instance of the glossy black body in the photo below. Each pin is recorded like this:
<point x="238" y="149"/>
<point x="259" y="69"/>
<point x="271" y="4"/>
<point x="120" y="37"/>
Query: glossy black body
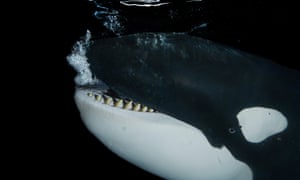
<point x="204" y="84"/>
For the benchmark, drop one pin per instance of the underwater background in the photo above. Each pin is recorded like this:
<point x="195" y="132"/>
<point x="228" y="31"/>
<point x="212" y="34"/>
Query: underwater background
<point x="259" y="27"/>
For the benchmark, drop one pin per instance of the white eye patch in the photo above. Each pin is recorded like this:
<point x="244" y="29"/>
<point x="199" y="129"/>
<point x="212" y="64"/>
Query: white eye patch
<point x="259" y="123"/>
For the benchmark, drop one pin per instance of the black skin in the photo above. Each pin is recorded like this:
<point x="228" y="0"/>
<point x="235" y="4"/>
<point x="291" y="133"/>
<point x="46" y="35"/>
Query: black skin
<point x="205" y="84"/>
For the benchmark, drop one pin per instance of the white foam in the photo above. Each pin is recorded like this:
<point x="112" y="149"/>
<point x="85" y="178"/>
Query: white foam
<point x="149" y="3"/>
<point x="158" y="143"/>
<point x="78" y="60"/>
<point x="259" y="123"/>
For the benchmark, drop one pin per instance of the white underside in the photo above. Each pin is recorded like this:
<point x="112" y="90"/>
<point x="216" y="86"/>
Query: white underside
<point x="159" y="143"/>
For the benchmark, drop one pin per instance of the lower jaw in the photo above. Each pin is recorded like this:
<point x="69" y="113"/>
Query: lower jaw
<point x="158" y="143"/>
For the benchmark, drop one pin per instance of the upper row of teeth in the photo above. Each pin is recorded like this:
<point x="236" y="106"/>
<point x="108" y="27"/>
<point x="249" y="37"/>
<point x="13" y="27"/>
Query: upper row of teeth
<point x="120" y="103"/>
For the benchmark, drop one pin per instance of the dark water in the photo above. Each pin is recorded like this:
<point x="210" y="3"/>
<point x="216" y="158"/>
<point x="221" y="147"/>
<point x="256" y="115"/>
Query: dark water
<point x="259" y="27"/>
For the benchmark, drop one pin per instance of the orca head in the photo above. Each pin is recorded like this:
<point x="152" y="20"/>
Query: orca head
<point x="169" y="103"/>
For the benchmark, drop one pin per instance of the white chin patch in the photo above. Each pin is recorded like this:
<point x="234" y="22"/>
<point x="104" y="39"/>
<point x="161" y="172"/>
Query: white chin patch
<point x="259" y="123"/>
<point x="158" y="143"/>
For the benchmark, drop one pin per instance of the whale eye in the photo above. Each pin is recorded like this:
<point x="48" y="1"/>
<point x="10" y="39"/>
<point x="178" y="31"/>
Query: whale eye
<point x="231" y="130"/>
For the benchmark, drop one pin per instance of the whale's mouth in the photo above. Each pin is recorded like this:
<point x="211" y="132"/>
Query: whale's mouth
<point x="110" y="98"/>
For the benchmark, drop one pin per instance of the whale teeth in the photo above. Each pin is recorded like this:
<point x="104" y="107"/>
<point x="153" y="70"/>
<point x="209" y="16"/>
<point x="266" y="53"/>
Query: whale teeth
<point x="144" y="109"/>
<point x="136" y="107"/>
<point x="120" y="103"/>
<point x="128" y="105"/>
<point x="98" y="97"/>
<point x="108" y="100"/>
<point x="150" y="110"/>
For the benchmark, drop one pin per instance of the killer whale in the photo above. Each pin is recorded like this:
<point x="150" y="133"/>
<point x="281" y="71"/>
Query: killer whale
<point x="197" y="81"/>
